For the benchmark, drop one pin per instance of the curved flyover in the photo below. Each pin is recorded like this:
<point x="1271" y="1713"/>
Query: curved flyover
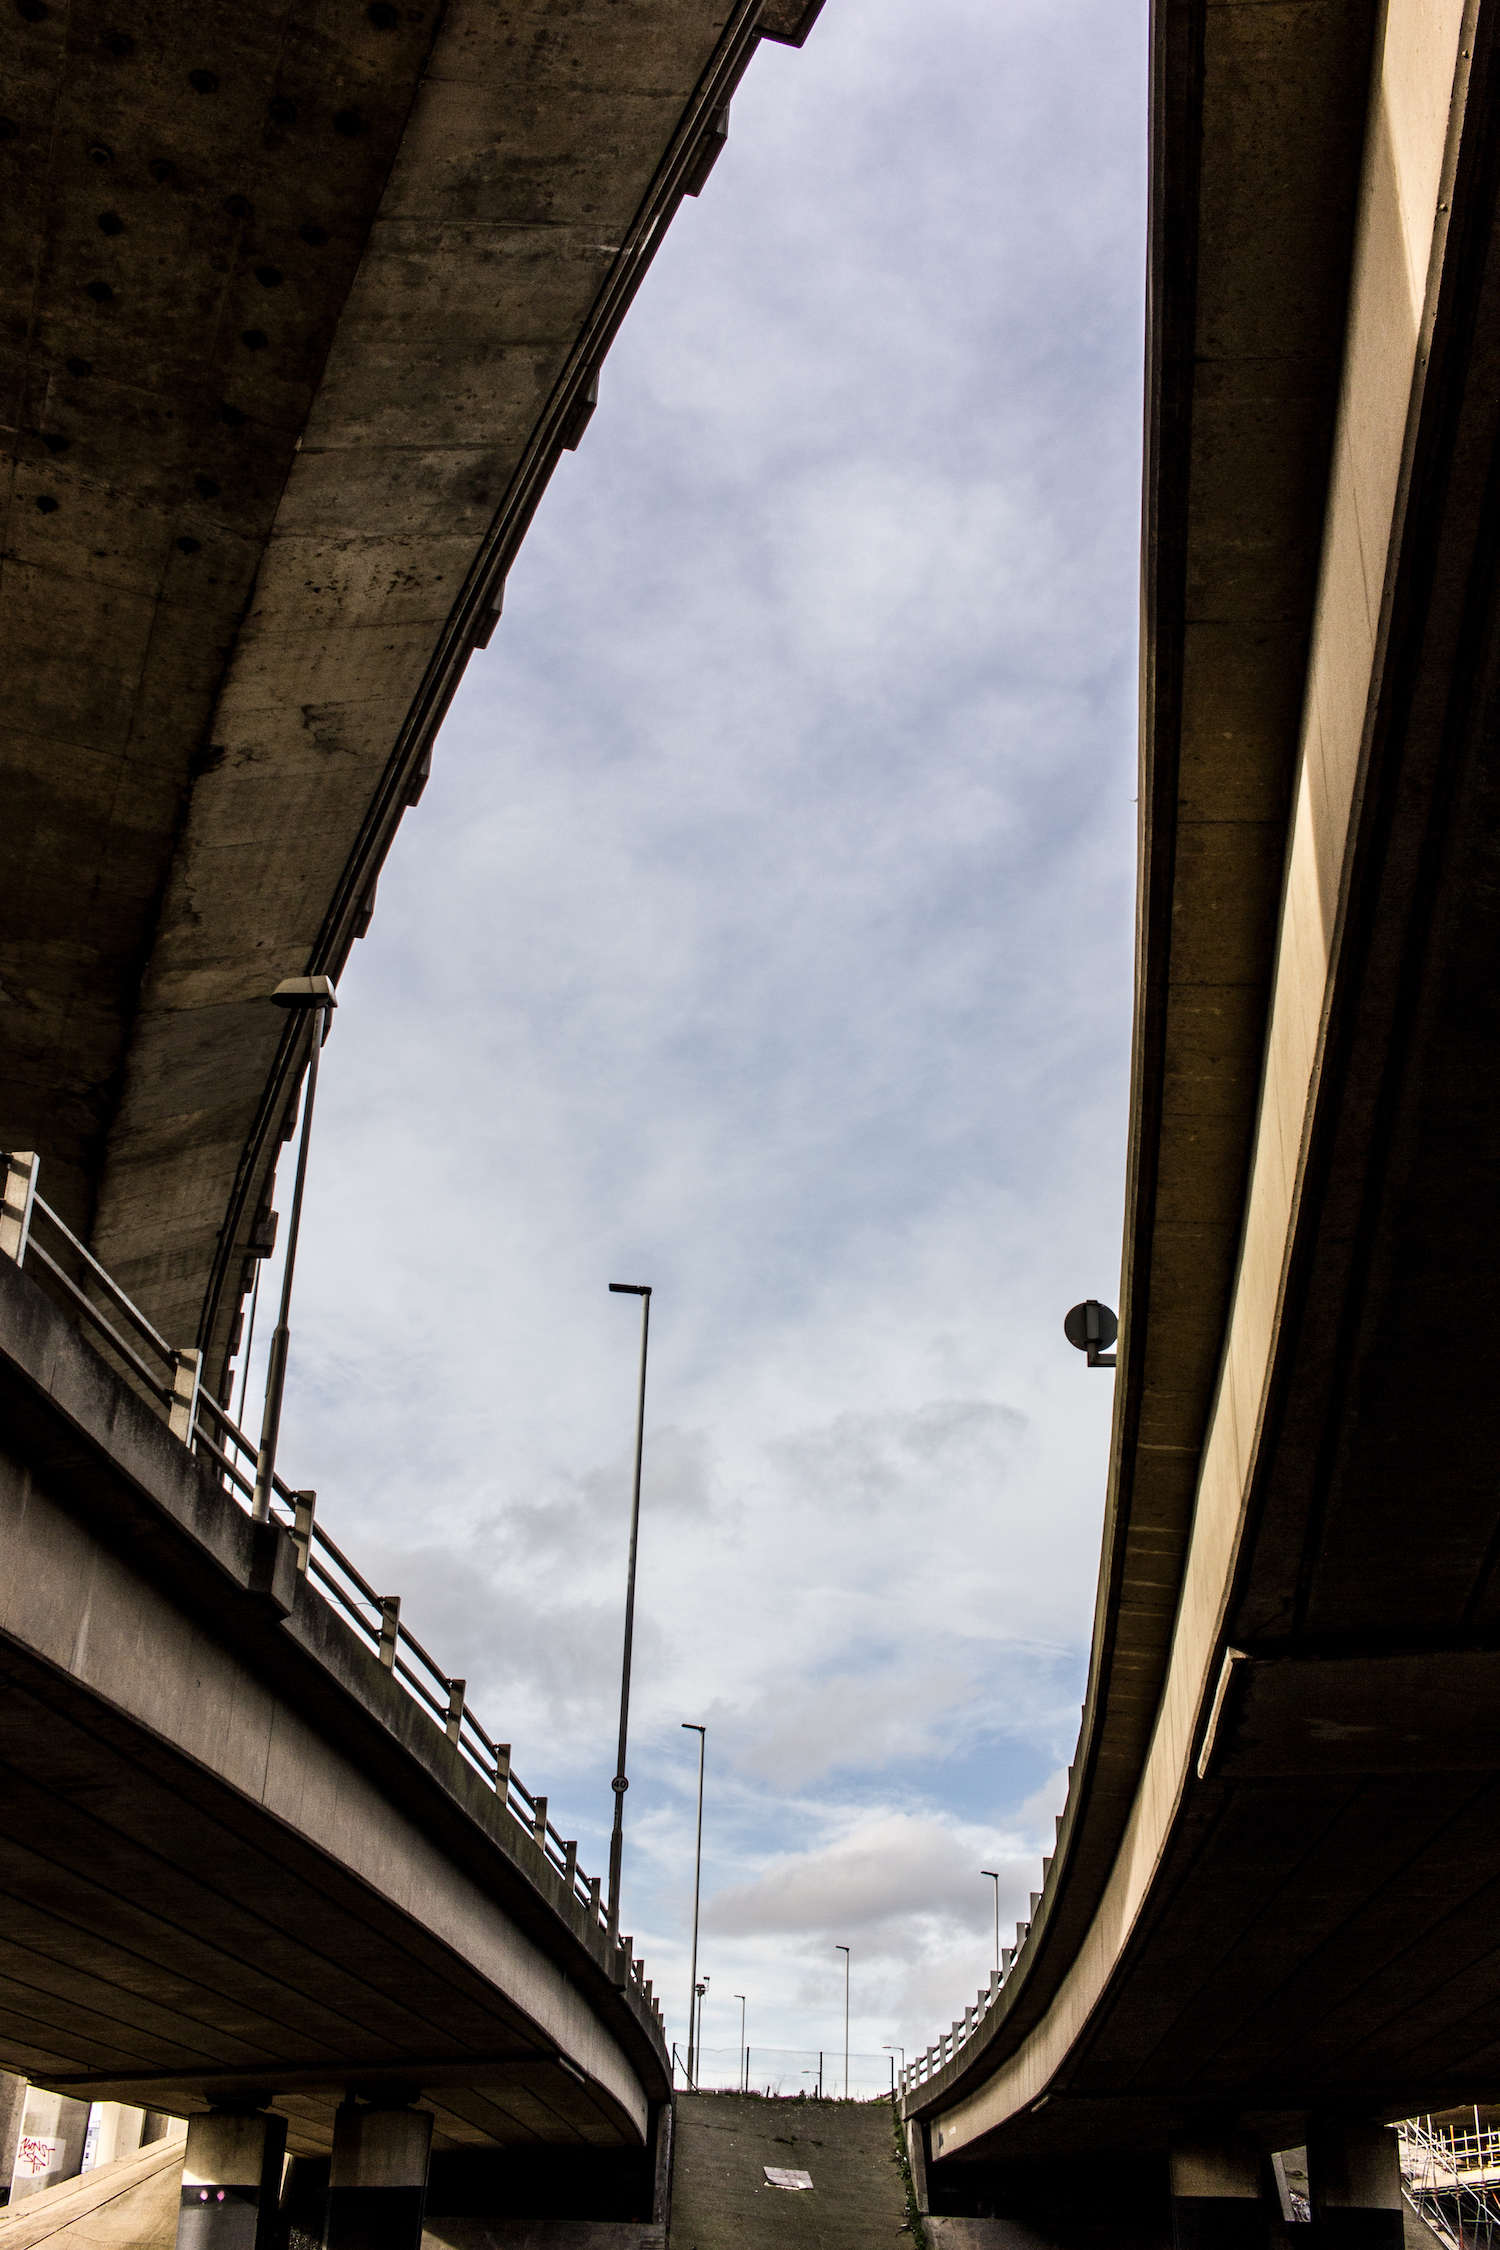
<point x="1273" y="1893"/>
<point x="241" y="1866"/>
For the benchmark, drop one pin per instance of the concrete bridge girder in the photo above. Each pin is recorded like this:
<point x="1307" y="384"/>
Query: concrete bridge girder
<point x="313" y="300"/>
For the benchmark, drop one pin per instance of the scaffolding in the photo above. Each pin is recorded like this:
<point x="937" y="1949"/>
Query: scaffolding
<point x="1452" y="2181"/>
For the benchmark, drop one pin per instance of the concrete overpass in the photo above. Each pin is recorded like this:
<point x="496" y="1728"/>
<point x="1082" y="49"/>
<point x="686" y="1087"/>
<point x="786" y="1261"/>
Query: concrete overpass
<point x="306" y="302"/>
<point x="1270" y="1917"/>
<point x="244" y="1874"/>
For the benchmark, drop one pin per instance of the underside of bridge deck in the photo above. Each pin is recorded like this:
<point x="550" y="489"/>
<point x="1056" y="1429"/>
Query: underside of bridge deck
<point x="303" y="304"/>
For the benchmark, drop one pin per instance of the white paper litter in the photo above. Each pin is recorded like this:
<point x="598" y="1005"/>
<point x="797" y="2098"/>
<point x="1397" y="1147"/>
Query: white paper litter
<point x="780" y="2178"/>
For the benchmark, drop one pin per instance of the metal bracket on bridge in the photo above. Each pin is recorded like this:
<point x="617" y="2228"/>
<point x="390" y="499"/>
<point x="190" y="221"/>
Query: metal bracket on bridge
<point x="187" y="1375"/>
<point x="16" y="1203"/>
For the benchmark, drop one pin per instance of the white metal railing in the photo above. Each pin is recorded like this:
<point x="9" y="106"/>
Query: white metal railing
<point x="950" y="2043"/>
<point x="171" y="1379"/>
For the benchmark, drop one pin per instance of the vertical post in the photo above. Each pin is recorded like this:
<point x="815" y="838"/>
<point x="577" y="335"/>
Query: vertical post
<point x="377" y="2182"/>
<point x="16" y="1201"/>
<point x="845" y="1951"/>
<point x="994" y="1876"/>
<point x="304" y="1505"/>
<point x="502" y="1772"/>
<point x="187" y="1373"/>
<point x="231" y="2181"/>
<point x="1354" y="2184"/>
<point x="688" y="1727"/>
<point x="539" y="1823"/>
<point x="456" y="1690"/>
<point x="1216" y="2199"/>
<point x="570" y="1869"/>
<point x="270" y="1428"/>
<point x="596" y="1885"/>
<point x="620" y="1784"/>
<point x="390" y="1627"/>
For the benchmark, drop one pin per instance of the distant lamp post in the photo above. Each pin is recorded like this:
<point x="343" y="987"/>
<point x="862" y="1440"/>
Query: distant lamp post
<point x="688" y="1727"/>
<point x="894" y="2048"/>
<point x="744" y="2050"/>
<point x="845" y="1951"/>
<point x="994" y="1877"/>
<point x="620" y="1784"/>
<point x="316" y="997"/>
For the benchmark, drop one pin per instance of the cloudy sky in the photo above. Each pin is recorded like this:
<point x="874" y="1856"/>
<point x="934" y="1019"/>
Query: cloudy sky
<point x="764" y="934"/>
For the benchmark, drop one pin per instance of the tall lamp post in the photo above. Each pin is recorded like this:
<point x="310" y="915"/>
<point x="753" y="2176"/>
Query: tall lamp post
<point x="313" y="996"/>
<point x="744" y="2050"/>
<point x="688" y="1727"/>
<point x="620" y="1784"/>
<point x="995" y="1879"/>
<point x="845" y="1951"/>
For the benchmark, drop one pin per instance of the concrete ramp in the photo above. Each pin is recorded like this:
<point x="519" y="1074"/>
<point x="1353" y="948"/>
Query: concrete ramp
<point x="721" y="2199"/>
<point x="130" y="2205"/>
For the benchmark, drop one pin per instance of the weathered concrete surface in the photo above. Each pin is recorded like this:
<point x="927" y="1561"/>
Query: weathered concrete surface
<point x="233" y="1852"/>
<point x="540" y="2234"/>
<point x="302" y="305"/>
<point x="1287" y="1798"/>
<point x="129" y="2205"/>
<point x="720" y="2197"/>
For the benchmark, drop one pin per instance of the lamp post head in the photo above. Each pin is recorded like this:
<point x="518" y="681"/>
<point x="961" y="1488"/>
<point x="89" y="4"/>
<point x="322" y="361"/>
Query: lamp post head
<point x="992" y="1872"/>
<point x="305" y="992"/>
<point x="629" y="1289"/>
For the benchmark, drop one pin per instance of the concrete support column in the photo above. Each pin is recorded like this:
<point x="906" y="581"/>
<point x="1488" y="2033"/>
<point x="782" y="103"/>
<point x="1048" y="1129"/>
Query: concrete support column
<point x="1354" y="2180"/>
<point x="1216" y="2198"/>
<point x="231" y="2181"/>
<point x="377" y="2185"/>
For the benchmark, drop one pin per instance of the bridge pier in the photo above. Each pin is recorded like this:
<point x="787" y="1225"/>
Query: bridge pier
<point x="1354" y="2174"/>
<point x="231" y="2181"/>
<point x="1217" y="2200"/>
<point x="377" y="2185"/>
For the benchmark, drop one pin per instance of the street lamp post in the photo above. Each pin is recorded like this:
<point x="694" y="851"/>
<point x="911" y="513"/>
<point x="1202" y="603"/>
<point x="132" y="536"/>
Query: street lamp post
<point x="744" y="2050"/>
<point x="894" y="2048"/>
<point x="845" y="1951"/>
<point x="620" y="1784"/>
<point x="995" y="1879"/>
<point x="314" y="996"/>
<point x="688" y="1727"/>
<point x="701" y="1994"/>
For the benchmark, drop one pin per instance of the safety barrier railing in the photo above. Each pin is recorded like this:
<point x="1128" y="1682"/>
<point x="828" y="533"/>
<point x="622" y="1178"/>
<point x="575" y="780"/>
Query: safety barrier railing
<point x="171" y="1379"/>
<point x="950" y="2043"/>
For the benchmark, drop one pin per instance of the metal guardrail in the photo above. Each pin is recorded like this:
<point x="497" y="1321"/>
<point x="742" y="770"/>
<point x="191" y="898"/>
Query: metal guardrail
<point x="950" y="2043"/>
<point x="172" y="1380"/>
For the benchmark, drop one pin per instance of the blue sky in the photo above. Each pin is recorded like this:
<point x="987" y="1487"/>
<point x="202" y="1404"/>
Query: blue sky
<point x="764" y="934"/>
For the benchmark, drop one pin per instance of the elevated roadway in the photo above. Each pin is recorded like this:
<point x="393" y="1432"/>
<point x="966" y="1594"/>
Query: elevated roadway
<point x="1273" y="1897"/>
<point x="303" y="304"/>
<point x="240" y="1866"/>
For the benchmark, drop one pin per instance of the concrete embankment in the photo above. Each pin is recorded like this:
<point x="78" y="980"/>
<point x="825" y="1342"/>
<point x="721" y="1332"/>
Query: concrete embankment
<point x="722" y="2200"/>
